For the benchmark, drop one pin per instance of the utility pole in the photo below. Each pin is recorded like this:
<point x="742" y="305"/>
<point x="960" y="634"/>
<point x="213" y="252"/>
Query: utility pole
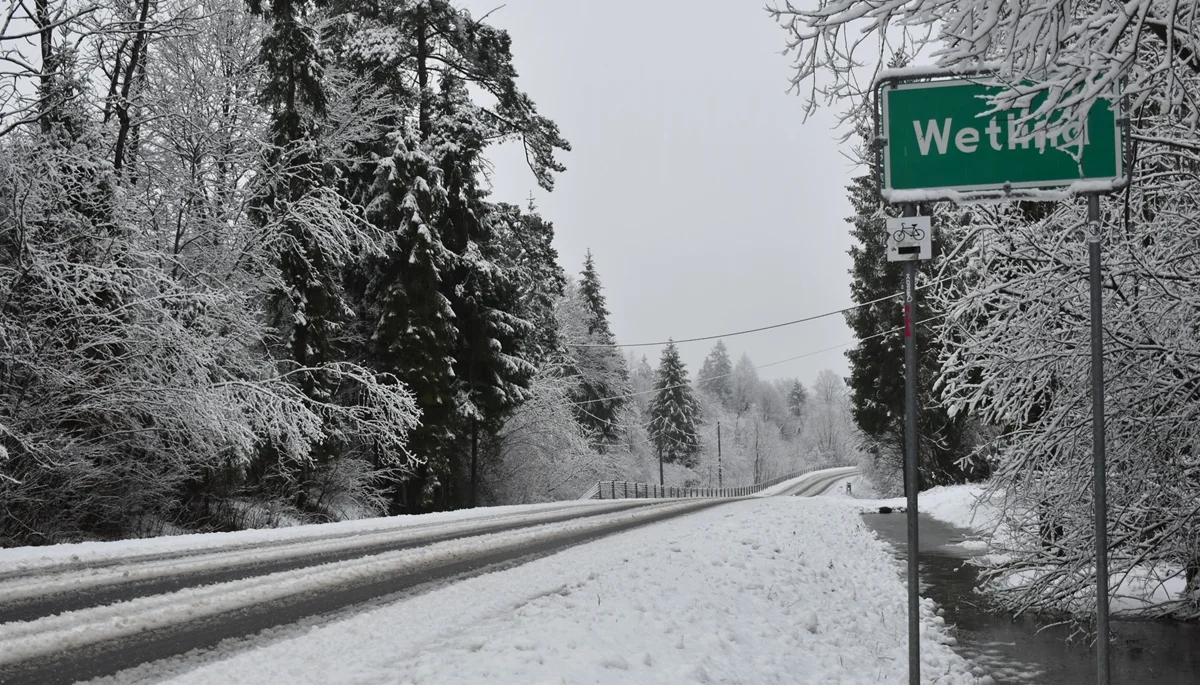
<point x="720" y="482"/>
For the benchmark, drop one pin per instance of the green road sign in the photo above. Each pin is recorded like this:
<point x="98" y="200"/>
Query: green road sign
<point x="938" y="138"/>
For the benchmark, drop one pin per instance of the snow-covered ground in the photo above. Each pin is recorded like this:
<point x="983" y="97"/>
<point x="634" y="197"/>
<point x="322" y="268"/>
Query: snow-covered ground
<point x="764" y="590"/>
<point x="962" y="506"/>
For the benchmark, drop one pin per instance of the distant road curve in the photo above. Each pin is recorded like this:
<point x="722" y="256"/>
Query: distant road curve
<point x="817" y="482"/>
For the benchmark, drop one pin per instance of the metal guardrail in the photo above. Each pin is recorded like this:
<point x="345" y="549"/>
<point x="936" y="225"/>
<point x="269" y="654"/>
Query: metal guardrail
<point x="621" y="489"/>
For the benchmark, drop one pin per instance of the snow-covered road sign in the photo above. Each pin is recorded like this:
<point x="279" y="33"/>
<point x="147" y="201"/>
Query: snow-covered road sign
<point x="940" y="135"/>
<point x="909" y="238"/>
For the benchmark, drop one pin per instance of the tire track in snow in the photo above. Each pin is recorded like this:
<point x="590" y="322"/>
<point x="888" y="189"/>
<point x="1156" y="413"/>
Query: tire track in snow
<point x="30" y="596"/>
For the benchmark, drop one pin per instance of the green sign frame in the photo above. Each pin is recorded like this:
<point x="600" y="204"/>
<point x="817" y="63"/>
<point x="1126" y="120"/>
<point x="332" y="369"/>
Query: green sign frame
<point x="935" y="138"/>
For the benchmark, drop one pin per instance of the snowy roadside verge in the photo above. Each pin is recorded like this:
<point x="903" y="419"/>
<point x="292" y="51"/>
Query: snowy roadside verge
<point x="962" y="506"/>
<point x="998" y="537"/>
<point x="763" y="590"/>
<point x="968" y="507"/>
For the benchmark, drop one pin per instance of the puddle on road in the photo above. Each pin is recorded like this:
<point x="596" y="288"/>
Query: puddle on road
<point x="1014" y="650"/>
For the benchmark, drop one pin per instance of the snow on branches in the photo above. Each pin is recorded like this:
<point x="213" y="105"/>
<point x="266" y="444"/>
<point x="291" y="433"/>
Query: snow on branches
<point x="1016" y="352"/>
<point x="1073" y="52"/>
<point x="1014" y="277"/>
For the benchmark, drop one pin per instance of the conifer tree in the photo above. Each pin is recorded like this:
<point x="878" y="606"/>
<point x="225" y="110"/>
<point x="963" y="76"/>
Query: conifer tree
<point x="797" y="399"/>
<point x="525" y="239"/>
<point x="603" y="375"/>
<point x="450" y="311"/>
<point x="593" y="295"/>
<point x="715" y="376"/>
<point x="308" y="308"/>
<point x="674" y="412"/>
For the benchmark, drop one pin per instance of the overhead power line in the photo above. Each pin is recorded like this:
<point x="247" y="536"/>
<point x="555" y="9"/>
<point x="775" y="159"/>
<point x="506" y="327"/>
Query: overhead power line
<point x="761" y="328"/>
<point x="774" y="363"/>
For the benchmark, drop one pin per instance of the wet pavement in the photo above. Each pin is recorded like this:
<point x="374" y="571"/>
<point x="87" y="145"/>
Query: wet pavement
<point x="1028" y="650"/>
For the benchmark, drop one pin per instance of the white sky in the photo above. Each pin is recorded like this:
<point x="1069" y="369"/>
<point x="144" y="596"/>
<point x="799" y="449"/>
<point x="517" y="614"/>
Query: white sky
<point x="708" y="204"/>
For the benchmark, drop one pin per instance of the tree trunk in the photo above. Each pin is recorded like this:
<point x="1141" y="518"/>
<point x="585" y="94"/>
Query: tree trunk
<point x="426" y="127"/>
<point x="136" y="55"/>
<point x="660" y="466"/>
<point x="42" y="12"/>
<point x="474" y="460"/>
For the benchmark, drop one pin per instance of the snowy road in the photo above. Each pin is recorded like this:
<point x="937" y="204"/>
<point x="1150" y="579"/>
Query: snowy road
<point x="87" y="611"/>
<point x="101" y="639"/>
<point x="56" y="586"/>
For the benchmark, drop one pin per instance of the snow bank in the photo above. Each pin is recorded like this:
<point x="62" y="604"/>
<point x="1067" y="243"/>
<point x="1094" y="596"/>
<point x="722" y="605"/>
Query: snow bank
<point x="962" y="506"/>
<point x="770" y="590"/>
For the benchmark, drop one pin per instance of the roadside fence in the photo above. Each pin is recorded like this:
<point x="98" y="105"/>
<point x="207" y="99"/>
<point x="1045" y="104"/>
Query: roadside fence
<point x="621" y="489"/>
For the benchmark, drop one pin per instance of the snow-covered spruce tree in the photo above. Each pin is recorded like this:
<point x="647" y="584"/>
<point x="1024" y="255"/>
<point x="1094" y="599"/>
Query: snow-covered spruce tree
<point x="299" y="206"/>
<point x="876" y="381"/>
<point x="797" y="402"/>
<point x="603" y="376"/>
<point x="715" y="375"/>
<point x="542" y="453"/>
<point x="404" y="326"/>
<point x="524" y="240"/>
<point x="674" y="412"/>
<point x="1016" y="345"/>
<point x="466" y="342"/>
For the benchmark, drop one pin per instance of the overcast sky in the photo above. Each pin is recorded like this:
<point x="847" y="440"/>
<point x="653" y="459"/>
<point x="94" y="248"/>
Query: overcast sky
<point x="708" y="203"/>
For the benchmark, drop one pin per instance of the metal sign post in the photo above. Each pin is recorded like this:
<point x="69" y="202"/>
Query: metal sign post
<point x="911" y="472"/>
<point x="1100" y="484"/>
<point x="910" y="239"/>
<point x="937" y="139"/>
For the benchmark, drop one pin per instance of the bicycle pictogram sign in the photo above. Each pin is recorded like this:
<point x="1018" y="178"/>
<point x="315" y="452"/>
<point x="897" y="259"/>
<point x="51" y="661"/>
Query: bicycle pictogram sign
<point x="908" y="238"/>
<point x="908" y="231"/>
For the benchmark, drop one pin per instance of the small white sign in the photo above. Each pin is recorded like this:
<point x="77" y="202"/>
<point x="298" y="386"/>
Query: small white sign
<point x="909" y="238"/>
